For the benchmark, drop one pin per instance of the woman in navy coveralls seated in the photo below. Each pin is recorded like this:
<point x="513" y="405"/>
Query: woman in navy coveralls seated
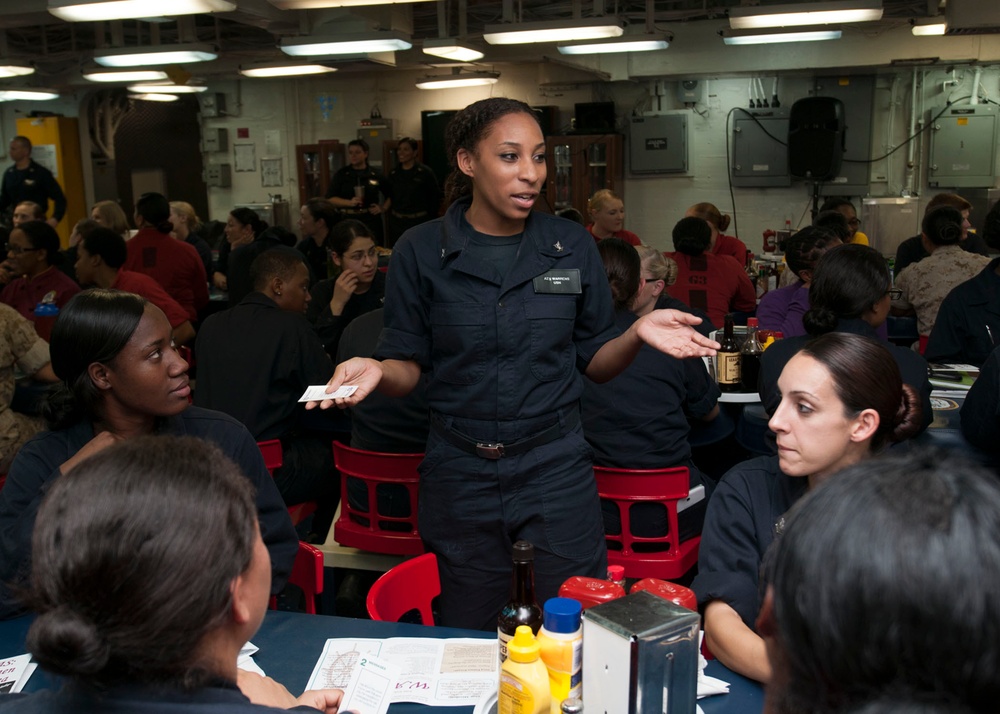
<point x="504" y="308"/>
<point x="842" y="400"/>
<point x="639" y="419"/>
<point x="121" y="378"/>
<point x="883" y="592"/>
<point x="150" y="576"/>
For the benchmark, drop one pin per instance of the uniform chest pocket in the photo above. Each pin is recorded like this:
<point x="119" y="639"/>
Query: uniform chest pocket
<point x="458" y="342"/>
<point x="550" y="322"/>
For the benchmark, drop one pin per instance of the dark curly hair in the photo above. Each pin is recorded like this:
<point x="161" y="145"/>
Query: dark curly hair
<point x="943" y="225"/>
<point x="803" y="250"/>
<point x="692" y="236"/>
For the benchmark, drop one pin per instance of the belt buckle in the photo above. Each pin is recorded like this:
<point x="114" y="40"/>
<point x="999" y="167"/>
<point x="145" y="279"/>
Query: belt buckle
<point x="489" y="451"/>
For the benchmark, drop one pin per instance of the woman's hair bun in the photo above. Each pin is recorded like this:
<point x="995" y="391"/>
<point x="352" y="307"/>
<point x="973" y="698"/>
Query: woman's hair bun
<point x="62" y="641"/>
<point x="909" y="418"/>
<point x="819" y="321"/>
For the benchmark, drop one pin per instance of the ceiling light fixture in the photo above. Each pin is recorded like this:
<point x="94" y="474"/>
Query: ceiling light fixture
<point x="365" y="43"/>
<point x="625" y="43"/>
<point x="136" y="75"/>
<point x="452" y="49"/>
<point x="14" y="70"/>
<point x="459" y="79"/>
<point x="153" y="97"/>
<point x="320" y="4"/>
<point x="33" y="94"/>
<point x="98" y="10"/>
<point x="775" y="36"/>
<point x="157" y="88"/>
<point x="520" y="33"/>
<point x="284" y="70"/>
<point x="818" y="13"/>
<point x="156" y="55"/>
<point x="925" y="26"/>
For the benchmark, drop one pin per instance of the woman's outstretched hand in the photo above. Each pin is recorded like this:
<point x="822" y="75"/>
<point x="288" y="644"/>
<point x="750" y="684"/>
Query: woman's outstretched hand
<point x="361" y="372"/>
<point x="671" y="332"/>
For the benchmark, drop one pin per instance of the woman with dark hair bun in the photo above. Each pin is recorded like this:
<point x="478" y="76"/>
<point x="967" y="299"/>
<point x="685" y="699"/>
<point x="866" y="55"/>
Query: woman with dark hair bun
<point x="843" y="400"/>
<point x="720" y="244"/>
<point x="850" y="292"/>
<point x="176" y="266"/>
<point x="883" y="592"/>
<point x="121" y="378"/>
<point x="149" y="574"/>
<point x="504" y="309"/>
<point x="33" y="252"/>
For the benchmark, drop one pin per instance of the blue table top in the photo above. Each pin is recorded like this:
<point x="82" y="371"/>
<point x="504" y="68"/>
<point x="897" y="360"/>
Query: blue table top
<point x="290" y="643"/>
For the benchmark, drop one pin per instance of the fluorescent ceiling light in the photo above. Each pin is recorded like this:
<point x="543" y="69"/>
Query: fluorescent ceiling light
<point x="167" y="88"/>
<point x="451" y="49"/>
<point x="456" y="80"/>
<point x="320" y="4"/>
<point x="152" y="97"/>
<point x="285" y="70"/>
<point x="366" y="43"/>
<point x="519" y="33"/>
<point x="8" y="95"/>
<point x="924" y="26"/>
<point x="818" y="13"/>
<point x="77" y="11"/>
<point x="625" y="43"/>
<point x="14" y="70"/>
<point x="156" y="55"/>
<point x="774" y="37"/>
<point x="135" y="75"/>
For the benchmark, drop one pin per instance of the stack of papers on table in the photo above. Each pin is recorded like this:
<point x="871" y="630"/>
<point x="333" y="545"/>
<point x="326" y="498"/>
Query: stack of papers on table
<point x="14" y="673"/>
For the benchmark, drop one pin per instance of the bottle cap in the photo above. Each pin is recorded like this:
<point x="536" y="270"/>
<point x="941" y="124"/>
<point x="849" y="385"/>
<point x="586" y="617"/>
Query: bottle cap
<point x="573" y="705"/>
<point x="46" y="309"/>
<point x="524" y="647"/>
<point x="616" y="572"/>
<point x="752" y="322"/>
<point x="562" y="615"/>
<point x="524" y="552"/>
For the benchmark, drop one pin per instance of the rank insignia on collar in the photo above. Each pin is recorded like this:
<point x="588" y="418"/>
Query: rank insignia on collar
<point x="558" y="246"/>
<point x="442" y="252"/>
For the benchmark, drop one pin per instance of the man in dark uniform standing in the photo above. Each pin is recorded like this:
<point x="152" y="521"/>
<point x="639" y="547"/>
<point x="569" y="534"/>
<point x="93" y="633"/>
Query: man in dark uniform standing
<point x="30" y="181"/>
<point x="355" y="190"/>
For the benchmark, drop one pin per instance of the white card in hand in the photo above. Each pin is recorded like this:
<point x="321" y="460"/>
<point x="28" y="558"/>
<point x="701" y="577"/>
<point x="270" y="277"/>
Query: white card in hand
<point x="370" y="689"/>
<point x="317" y="392"/>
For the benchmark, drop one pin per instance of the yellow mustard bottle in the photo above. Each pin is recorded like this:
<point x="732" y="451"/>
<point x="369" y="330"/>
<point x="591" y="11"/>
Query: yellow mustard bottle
<point x="524" y="681"/>
<point x="561" y="643"/>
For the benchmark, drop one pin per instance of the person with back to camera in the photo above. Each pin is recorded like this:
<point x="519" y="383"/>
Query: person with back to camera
<point x="782" y="309"/>
<point x="174" y="265"/>
<point x="150" y="576"/>
<point x="255" y="361"/>
<point x="846" y="208"/>
<point x="721" y="244"/>
<point x="412" y="192"/>
<point x="660" y="272"/>
<point x="359" y="286"/>
<point x="716" y="284"/>
<point x="240" y="279"/>
<point x="33" y="250"/>
<point x="639" y="419"/>
<point x="850" y="292"/>
<point x="186" y="228"/>
<point x="882" y="595"/>
<point x="317" y="217"/>
<point x="925" y="285"/>
<point x="110" y="215"/>
<point x="842" y="401"/>
<point x="981" y="408"/>
<point x="504" y="307"/>
<point x="607" y="217"/>
<point x="121" y="378"/>
<point x="100" y="256"/>
<point x="912" y="250"/>
<point x="358" y="174"/>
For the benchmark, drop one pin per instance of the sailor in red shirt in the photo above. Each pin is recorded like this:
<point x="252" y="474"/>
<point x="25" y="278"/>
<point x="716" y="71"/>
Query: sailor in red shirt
<point x="607" y="215"/>
<point x="721" y="244"/>
<point x="32" y="253"/>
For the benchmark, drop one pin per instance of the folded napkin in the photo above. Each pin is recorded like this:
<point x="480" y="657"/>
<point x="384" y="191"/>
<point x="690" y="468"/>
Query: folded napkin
<point x="707" y="686"/>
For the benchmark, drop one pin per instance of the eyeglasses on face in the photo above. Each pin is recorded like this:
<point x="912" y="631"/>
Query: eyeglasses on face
<point x="17" y="250"/>
<point x="854" y="223"/>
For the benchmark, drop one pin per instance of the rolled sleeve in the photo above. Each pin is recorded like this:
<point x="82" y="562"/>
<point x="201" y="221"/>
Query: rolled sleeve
<point x="406" y="335"/>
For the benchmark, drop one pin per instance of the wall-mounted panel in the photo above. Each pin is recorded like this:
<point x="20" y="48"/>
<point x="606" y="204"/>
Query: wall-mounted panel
<point x="658" y="144"/>
<point x="760" y="148"/>
<point x="963" y="147"/>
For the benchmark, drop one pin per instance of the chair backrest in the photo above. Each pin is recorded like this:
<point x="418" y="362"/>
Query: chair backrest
<point x="411" y="585"/>
<point x="271" y="451"/>
<point x="627" y="487"/>
<point x="307" y="574"/>
<point x="362" y="525"/>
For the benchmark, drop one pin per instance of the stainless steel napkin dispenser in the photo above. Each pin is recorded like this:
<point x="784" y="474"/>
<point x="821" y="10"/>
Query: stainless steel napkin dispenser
<point x="640" y="656"/>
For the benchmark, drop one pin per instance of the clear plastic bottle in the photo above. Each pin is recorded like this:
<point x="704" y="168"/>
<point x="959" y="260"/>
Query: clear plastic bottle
<point x="524" y="681"/>
<point x="561" y="642"/>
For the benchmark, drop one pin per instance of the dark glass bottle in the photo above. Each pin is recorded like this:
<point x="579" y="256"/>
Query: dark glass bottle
<point x="750" y="357"/>
<point x="727" y="360"/>
<point x="522" y="608"/>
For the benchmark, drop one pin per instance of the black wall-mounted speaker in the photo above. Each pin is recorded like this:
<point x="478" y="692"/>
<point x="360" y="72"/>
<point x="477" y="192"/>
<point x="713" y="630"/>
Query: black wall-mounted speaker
<point x="816" y="138"/>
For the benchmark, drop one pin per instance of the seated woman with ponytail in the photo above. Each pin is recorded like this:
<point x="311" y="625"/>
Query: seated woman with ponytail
<point x="850" y="292"/>
<point x="122" y="378"/>
<point x="175" y="265"/>
<point x="842" y="401"/>
<point x="150" y="574"/>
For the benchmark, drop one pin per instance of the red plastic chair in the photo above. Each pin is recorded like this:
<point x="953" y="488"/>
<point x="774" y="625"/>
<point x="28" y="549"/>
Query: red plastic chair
<point x="625" y="487"/>
<point x="271" y="451"/>
<point x="376" y="468"/>
<point x="411" y="585"/>
<point x="307" y="574"/>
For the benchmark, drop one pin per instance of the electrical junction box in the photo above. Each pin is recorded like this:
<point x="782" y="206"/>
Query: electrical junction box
<point x="212" y="104"/>
<point x="219" y="175"/>
<point x="760" y="148"/>
<point x="658" y="144"/>
<point x="215" y="140"/>
<point x="963" y="147"/>
<point x="690" y="91"/>
<point x="641" y="656"/>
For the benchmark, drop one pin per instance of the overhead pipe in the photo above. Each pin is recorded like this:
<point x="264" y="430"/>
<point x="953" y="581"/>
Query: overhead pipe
<point x="975" y="85"/>
<point x="911" y="149"/>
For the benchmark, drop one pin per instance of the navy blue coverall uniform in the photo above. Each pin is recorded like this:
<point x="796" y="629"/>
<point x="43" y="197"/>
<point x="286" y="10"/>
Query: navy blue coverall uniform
<point x="504" y="359"/>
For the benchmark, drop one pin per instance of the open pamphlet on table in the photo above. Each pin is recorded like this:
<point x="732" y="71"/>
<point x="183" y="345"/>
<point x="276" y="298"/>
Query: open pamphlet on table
<point x="14" y="673"/>
<point x="953" y="376"/>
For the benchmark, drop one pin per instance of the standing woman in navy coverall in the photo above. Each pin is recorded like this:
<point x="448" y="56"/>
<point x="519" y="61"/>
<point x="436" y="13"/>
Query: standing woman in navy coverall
<point x="504" y="309"/>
